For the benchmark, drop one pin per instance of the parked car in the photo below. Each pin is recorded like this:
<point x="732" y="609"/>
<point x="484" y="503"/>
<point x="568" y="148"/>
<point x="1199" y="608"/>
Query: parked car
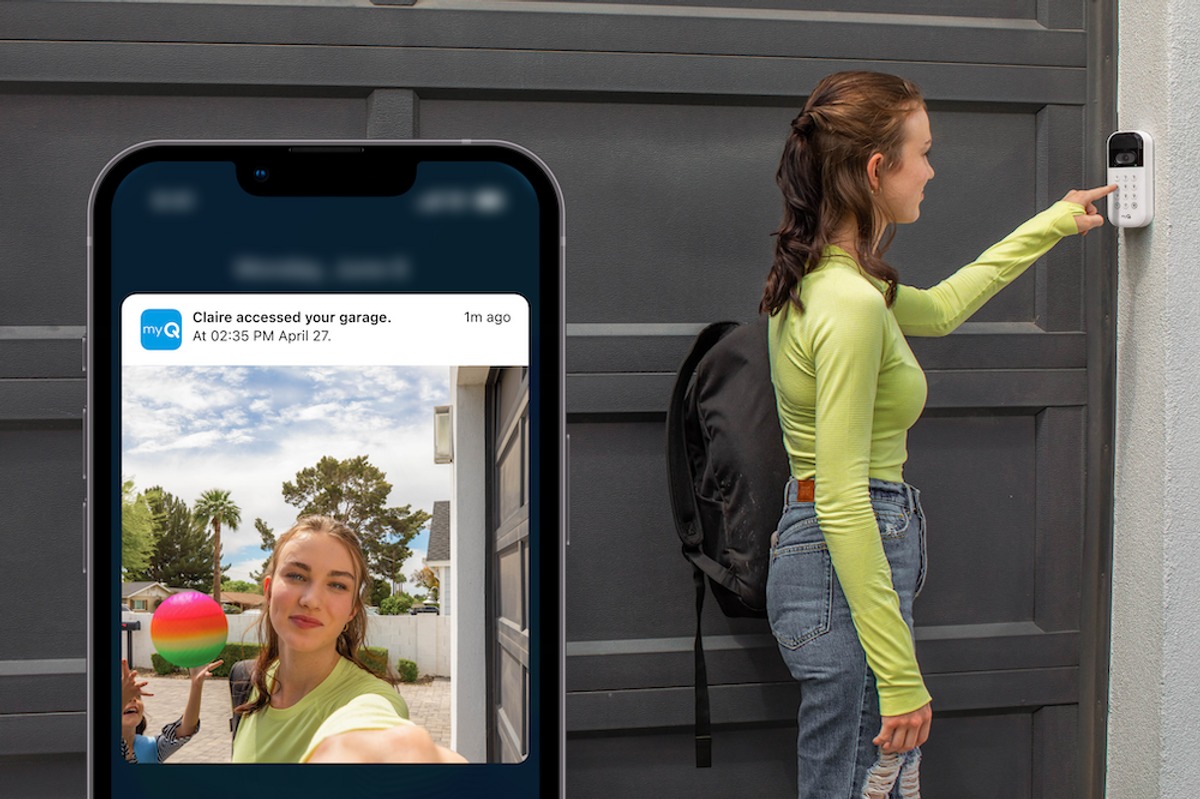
<point x="424" y="609"/>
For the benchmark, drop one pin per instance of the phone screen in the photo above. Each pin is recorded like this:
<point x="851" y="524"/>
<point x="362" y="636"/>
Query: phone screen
<point x="291" y="340"/>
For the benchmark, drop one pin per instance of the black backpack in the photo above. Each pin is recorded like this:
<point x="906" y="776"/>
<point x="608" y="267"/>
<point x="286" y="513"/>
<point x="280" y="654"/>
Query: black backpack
<point x="241" y="678"/>
<point x="727" y="469"/>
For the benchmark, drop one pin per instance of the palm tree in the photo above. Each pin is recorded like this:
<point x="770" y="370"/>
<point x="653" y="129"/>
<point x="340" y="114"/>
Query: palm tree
<point x="215" y="506"/>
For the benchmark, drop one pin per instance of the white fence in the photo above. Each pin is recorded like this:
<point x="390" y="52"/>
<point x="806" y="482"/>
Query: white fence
<point x="423" y="639"/>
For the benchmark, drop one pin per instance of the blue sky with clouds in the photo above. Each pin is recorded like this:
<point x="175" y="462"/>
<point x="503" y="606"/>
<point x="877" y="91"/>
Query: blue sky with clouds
<point x="248" y="429"/>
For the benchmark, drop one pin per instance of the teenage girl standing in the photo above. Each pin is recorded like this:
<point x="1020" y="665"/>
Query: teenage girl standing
<point x="848" y="556"/>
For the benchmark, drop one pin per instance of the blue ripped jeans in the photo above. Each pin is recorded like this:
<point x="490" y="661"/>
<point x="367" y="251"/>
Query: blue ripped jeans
<point x="839" y="704"/>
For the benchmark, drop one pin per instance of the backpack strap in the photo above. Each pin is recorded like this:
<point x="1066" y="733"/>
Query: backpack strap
<point x="240" y="677"/>
<point x="703" y="714"/>
<point x="687" y="523"/>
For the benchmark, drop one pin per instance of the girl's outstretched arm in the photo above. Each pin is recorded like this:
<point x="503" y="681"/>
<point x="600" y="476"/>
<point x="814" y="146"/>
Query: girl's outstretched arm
<point x="405" y="743"/>
<point x="191" y="714"/>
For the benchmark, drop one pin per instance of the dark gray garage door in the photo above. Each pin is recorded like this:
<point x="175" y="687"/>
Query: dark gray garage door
<point x="663" y="125"/>
<point x="508" y="558"/>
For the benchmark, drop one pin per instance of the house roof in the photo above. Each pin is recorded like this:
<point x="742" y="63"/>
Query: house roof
<point x="130" y="589"/>
<point x="243" y="598"/>
<point x="439" y="532"/>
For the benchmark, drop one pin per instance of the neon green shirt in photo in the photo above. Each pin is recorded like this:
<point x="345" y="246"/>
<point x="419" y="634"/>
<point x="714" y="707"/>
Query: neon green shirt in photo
<point x="348" y="699"/>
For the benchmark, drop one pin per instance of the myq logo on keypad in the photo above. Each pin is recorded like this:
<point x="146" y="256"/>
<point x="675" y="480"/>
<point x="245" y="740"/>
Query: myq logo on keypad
<point x="162" y="329"/>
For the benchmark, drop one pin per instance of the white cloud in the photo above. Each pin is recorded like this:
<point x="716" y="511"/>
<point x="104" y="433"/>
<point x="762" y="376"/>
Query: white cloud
<point x="193" y="441"/>
<point x="433" y="391"/>
<point x="321" y="375"/>
<point x="243" y="569"/>
<point x="314" y="412"/>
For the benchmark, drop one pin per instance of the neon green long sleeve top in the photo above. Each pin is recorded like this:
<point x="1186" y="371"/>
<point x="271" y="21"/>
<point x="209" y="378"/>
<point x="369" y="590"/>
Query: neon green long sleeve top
<point x="848" y="389"/>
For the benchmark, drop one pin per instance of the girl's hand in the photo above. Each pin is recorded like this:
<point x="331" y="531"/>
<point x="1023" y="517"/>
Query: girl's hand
<point x="901" y="733"/>
<point x="201" y="673"/>
<point x="130" y="688"/>
<point x="1086" y="198"/>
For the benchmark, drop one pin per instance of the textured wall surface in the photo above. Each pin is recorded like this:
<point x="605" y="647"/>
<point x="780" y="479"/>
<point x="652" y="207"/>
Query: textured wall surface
<point x="468" y="518"/>
<point x="1155" y="685"/>
<point x="1181" y="542"/>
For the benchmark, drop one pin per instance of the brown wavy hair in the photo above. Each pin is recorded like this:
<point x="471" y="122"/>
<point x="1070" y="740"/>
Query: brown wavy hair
<point x="351" y="639"/>
<point x="849" y="117"/>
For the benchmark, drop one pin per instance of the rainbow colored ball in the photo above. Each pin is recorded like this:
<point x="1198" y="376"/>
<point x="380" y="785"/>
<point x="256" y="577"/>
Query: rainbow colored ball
<point x="189" y="629"/>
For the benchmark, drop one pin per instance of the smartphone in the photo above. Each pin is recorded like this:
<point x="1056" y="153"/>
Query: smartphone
<point x="365" y="331"/>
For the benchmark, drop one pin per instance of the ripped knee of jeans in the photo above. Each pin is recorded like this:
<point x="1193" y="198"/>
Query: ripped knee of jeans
<point x="891" y="767"/>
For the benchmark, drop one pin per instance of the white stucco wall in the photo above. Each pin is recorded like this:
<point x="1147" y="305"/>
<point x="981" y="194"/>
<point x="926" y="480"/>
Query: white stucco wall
<point x="1155" y="681"/>
<point x="468" y="553"/>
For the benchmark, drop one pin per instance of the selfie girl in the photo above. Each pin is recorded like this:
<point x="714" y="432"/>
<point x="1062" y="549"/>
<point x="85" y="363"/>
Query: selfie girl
<point x="136" y="747"/>
<point x="848" y="556"/>
<point x="313" y="699"/>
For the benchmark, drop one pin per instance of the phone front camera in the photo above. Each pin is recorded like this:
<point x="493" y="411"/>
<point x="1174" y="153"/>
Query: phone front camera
<point x="261" y="174"/>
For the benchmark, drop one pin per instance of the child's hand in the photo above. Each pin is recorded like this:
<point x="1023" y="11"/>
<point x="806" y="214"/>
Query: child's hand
<point x="201" y="673"/>
<point x="130" y="688"/>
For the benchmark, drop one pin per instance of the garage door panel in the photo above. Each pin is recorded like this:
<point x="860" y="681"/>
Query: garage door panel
<point x="48" y="178"/>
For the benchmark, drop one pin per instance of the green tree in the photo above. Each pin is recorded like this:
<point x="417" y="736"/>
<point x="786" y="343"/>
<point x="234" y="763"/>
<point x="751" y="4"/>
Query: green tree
<point x="356" y="492"/>
<point x="137" y="533"/>
<point x="379" y="592"/>
<point x="182" y="544"/>
<point x="268" y="544"/>
<point x="215" y="507"/>
<point x="395" y="605"/>
<point x="240" y="586"/>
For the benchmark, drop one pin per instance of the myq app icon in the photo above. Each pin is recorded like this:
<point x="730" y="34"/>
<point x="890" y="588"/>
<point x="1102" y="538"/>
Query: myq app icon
<point x="162" y="329"/>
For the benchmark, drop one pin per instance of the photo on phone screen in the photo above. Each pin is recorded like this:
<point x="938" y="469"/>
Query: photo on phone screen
<point x="325" y="447"/>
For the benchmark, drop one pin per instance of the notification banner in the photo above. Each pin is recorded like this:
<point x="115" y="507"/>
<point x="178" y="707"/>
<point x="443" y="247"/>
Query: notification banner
<point x="327" y="329"/>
